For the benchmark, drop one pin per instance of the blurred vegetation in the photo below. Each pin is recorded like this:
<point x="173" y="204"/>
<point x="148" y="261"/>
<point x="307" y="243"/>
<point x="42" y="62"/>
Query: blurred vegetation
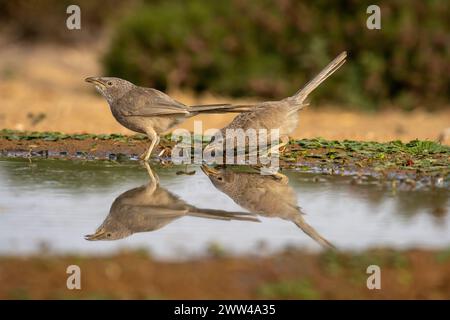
<point x="293" y="274"/>
<point x="293" y="289"/>
<point x="45" y="20"/>
<point x="266" y="48"/>
<point x="270" y="48"/>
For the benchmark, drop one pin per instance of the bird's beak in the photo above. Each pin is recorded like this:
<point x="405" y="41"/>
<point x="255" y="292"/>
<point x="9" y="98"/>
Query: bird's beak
<point x="95" y="80"/>
<point x="210" y="171"/>
<point x="98" y="235"/>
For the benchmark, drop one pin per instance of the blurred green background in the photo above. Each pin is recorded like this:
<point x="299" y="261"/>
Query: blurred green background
<point x="265" y="48"/>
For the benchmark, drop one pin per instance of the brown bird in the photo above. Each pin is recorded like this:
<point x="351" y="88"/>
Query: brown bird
<point x="149" y="111"/>
<point x="151" y="207"/>
<point x="282" y="114"/>
<point x="265" y="195"/>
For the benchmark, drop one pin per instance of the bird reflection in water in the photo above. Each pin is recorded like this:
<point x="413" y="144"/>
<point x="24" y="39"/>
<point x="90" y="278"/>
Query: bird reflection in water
<point x="265" y="195"/>
<point x="151" y="207"/>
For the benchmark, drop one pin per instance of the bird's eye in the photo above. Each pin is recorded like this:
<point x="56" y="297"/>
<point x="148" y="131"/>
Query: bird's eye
<point x="109" y="83"/>
<point x="220" y="178"/>
<point x="108" y="234"/>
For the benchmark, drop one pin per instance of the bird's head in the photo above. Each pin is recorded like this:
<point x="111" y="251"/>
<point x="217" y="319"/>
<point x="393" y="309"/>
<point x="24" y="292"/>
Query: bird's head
<point x="111" y="88"/>
<point x="220" y="178"/>
<point x="109" y="231"/>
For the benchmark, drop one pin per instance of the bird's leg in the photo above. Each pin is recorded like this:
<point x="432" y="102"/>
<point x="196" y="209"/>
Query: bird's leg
<point x="154" y="179"/>
<point x="284" y="143"/>
<point x="280" y="147"/>
<point x="274" y="149"/>
<point x="155" y="140"/>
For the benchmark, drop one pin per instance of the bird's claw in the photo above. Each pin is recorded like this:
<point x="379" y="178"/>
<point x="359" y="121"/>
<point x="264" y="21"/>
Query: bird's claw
<point x="165" y="151"/>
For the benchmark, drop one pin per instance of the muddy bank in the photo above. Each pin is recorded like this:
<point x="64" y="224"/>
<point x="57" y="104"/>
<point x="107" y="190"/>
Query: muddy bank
<point x="425" y="161"/>
<point x="414" y="274"/>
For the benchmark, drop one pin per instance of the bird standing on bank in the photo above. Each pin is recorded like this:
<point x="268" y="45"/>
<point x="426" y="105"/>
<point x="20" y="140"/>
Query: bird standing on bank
<point x="149" y="111"/>
<point x="282" y="114"/>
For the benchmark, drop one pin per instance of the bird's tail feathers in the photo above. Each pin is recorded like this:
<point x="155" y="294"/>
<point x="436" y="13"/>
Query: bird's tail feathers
<point x="300" y="96"/>
<point x="310" y="231"/>
<point x="219" y="108"/>
<point x="222" y="215"/>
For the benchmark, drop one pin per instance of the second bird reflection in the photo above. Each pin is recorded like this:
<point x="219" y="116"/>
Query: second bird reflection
<point x="265" y="195"/>
<point x="151" y="207"/>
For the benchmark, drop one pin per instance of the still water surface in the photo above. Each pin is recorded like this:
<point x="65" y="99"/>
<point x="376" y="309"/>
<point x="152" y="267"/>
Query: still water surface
<point x="54" y="204"/>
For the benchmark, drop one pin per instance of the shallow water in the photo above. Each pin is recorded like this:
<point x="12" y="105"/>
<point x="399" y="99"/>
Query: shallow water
<point x="51" y="205"/>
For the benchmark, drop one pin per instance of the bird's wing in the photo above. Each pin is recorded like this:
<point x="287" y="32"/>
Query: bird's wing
<point x="146" y="218"/>
<point x="148" y="102"/>
<point x="221" y="108"/>
<point x="155" y="211"/>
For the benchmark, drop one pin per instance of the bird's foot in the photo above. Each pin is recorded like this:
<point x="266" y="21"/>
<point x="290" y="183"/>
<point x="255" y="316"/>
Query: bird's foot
<point x="166" y="151"/>
<point x="283" y="146"/>
<point x="281" y="178"/>
<point x="282" y="149"/>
